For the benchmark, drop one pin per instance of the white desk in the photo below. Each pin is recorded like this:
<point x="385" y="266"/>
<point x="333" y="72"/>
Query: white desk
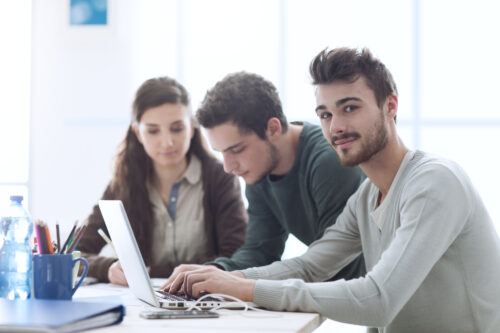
<point x="229" y="320"/>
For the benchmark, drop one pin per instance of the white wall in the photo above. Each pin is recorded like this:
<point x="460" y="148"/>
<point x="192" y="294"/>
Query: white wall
<point x="82" y="87"/>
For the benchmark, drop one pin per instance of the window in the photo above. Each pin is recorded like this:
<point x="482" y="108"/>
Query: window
<point x="458" y="114"/>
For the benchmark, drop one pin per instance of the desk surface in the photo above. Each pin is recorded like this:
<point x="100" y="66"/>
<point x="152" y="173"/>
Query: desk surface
<point x="229" y="320"/>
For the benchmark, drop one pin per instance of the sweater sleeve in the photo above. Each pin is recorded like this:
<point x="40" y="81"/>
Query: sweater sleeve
<point x="91" y="243"/>
<point x="265" y="239"/>
<point x="431" y="218"/>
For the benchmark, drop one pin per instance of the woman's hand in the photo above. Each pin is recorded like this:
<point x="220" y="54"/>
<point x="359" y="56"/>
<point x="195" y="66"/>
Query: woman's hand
<point x="116" y="275"/>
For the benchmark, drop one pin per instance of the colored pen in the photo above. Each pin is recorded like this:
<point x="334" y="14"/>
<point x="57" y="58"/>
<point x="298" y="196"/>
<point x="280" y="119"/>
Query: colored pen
<point x="42" y="241"/>
<point x="69" y="237"/>
<point x="72" y="239"/>
<point x="58" y="237"/>
<point x="77" y="238"/>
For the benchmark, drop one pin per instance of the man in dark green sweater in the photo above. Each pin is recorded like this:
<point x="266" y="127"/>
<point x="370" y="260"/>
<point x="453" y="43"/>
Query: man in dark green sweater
<point x="290" y="171"/>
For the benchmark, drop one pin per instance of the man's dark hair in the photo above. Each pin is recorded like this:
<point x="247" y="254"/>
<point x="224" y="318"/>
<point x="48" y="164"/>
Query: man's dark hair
<point x="247" y="100"/>
<point x="345" y="64"/>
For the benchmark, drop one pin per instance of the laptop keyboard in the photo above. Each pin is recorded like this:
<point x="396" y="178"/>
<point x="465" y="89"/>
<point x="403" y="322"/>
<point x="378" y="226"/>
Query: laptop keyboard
<point x="178" y="297"/>
<point x="172" y="297"/>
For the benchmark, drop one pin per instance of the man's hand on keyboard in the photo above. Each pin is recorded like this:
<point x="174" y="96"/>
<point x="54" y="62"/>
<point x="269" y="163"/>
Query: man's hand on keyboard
<point x="176" y="279"/>
<point x="195" y="279"/>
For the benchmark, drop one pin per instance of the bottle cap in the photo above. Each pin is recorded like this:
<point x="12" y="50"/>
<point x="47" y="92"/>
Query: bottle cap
<point x="17" y="198"/>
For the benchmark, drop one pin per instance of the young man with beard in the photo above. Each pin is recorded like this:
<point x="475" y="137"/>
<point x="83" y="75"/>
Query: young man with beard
<point x="431" y="251"/>
<point x="289" y="170"/>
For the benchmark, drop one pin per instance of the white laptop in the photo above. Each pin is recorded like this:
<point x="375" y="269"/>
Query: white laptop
<point x="133" y="266"/>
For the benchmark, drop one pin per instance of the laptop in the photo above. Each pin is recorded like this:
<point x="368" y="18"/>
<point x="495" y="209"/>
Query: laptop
<point x="130" y="257"/>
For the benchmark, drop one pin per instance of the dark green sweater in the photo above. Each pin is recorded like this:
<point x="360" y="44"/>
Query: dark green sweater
<point x="304" y="203"/>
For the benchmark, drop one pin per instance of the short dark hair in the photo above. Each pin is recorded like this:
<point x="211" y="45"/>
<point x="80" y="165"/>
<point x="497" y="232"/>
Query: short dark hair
<point x="247" y="100"/>
<point x="346" y="64"/>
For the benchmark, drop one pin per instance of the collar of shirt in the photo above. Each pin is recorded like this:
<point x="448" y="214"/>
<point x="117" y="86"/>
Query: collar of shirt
<point x="379" y="214"/>
<point x="193" y="171"/>
<point x="192" y="175"/>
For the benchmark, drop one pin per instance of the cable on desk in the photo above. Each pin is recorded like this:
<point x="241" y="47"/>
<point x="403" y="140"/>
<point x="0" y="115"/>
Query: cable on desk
<point x="246" y="307"/>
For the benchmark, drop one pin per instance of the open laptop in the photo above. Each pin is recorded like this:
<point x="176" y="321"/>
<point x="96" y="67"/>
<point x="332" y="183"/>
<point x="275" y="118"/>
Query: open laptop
<point x="133" y="266"/>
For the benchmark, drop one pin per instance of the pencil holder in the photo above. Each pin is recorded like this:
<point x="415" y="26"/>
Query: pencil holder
<point x="53" y="275"/>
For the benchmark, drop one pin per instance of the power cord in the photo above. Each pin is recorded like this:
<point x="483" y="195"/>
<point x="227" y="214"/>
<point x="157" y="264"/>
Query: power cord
<point x="245" y="306"/>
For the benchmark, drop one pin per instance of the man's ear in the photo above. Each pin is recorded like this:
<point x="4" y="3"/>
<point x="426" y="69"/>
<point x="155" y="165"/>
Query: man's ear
<point x="392" y="106"/>
<point x="135" y="128"/>
<point x="274" y="129"/>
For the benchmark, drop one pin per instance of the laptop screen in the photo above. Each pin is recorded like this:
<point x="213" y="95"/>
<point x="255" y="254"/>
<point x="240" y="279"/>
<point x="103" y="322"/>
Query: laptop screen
<point x="127" y="250"/>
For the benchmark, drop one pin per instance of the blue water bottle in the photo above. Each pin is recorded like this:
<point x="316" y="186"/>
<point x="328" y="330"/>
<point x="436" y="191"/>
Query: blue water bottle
<point x="16" y="227"/>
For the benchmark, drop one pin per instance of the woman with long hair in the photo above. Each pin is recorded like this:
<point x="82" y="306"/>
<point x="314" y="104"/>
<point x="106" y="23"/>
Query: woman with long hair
<point x="182" y="206"/>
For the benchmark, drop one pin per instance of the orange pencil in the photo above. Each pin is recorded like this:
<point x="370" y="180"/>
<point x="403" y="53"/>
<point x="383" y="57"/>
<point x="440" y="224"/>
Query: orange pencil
<point x="49" y="241"/>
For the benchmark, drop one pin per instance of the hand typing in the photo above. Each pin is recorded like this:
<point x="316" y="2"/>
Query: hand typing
<point x="195" y="279"/>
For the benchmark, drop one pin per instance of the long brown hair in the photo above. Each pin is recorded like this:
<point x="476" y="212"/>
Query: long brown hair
<point x="134" y="168"/>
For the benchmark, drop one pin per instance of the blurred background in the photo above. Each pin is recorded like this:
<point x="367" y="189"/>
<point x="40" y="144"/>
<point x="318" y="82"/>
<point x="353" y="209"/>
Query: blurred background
<point x="66" y="84"/>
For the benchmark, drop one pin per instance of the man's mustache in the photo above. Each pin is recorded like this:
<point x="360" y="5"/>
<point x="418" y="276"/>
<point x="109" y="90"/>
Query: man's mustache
<point x="353" y="135"/>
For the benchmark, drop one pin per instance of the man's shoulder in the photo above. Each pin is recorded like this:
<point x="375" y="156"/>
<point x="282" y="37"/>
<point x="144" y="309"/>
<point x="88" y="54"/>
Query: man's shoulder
<point x="316" y="156"/>
<point x="424" y="163"/>
<point x="312" y="134"/>
<point x="435" y="173"/>
<point x="313" y="145"/>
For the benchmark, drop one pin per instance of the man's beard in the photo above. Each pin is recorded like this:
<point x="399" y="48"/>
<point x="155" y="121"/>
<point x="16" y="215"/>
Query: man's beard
<point x="375" y="141"/>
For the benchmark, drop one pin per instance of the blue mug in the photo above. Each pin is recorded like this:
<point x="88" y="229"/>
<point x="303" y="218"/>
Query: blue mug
<point x="53" y="275"/>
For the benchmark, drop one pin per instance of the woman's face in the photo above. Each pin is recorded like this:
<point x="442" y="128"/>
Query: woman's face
<point x="165" y="132"/>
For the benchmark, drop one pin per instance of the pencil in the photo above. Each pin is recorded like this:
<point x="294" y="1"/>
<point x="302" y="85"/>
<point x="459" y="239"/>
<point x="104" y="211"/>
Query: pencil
<point x="72" y="239"/>
<point x="43" y="247"/>
<point x="105" y="237"/>
<point x="49" y="240"/>
<point x="77" y="238"/>
<point x="69" y="236"/>
<point x="58" y="237"/>
<point x="38" y="237"/>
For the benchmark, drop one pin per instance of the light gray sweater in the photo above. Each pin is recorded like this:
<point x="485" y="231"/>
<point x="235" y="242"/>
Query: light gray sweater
<point x="431" y="250"/>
